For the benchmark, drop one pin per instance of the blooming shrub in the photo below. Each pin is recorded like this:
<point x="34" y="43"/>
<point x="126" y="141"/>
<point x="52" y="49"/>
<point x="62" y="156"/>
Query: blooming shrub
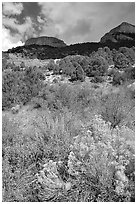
<point x="68" y="153"/>
<point x="96" y="164"/>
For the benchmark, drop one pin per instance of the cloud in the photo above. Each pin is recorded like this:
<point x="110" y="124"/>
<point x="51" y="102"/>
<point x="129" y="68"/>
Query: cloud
<point x="84" y="21"/>
<point x="7" y="41"/>
<point x="26" y="28"/>
<point x="78" y="32"/>
<point x="14" y="32"/>
<point x="11" y="8"/>
<point x="72" y="22"/>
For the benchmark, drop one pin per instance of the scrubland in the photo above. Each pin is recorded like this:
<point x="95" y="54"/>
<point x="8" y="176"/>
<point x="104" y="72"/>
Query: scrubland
<point x="68" y="142"/>
<point x="87" y="135"/>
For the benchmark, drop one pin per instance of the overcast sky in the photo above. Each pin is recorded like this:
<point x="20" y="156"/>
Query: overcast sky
<point x="72" y="22"/>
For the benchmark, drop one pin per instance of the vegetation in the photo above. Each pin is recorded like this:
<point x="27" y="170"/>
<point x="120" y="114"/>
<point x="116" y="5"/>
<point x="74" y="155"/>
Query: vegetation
<point x="19" y="87"/>
<point x="48" y="52"/>
<point x="69" y="141"/>
<point x="79" y="143"/>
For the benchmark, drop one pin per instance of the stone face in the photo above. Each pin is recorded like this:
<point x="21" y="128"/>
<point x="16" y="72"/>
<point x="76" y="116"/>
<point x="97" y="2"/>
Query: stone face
<point x="44" y="40"/>
<point x="123" y="32"/>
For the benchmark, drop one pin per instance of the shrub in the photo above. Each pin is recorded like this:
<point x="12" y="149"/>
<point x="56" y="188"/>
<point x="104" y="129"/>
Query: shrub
<point x="50" y="66"/>
<point x="121" y="62"/>
<point x="111" y="72"/>
<point x="97" y="79"/>
<point x="55" y="80"/>
<point x="129" y="53"/>
<point x="22" y="65"/>
<point x="118" y="78"/>
<point x="38" y="102"/>
<point x="130" y="73"/>
<point x="67" y="67"/>
<point x="98" y="66"/>
<point x="96" y="157"/>
<point x="56" y="69"/>
<point x="16" y="68"/>
<point x="20" y="87"/>
<point x="88" y="155"/>
<point x="84" y="63"/>
<point x="4" y="64"/>
<point x="80" y="75"/>
<point x="115" y="108"/>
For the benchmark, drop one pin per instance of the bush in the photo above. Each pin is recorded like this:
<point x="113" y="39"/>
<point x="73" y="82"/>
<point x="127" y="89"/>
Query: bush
<point x="16" y="68"/>
<point x="98" y="66"/>
<point x="121" y="62"/>
<point x="118" y="78"/>
<point x="87" y="152"/>
<point x="97" y="79"/>
<point x="129" y="53"/>
<point x="111" y="72"/>
<point x="67" y="67"/>
<point x="22" y="65"/>
<point x="115" y="108"/>
<point x="130" y="73"/>
<point x="20" y="87"/>
<point x="80" y="75"/>
<point x="56" y="69"/>
<point x="50" y="66"/>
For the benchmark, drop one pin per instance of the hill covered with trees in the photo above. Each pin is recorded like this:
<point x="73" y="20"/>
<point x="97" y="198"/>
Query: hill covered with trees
<point x="121" y="36"/>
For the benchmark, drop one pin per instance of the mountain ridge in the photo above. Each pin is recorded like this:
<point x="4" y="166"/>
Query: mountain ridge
<point x="46" y="40"/>
<point x="124" y="31"/>
<point x="116" y="38"/>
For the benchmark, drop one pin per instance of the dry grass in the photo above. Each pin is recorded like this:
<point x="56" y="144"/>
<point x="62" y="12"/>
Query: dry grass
<point x="27" y="61"/>
<point x="33" y="136"/>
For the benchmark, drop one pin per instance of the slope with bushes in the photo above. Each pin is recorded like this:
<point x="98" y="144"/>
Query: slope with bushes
<point x="72" y="141"/>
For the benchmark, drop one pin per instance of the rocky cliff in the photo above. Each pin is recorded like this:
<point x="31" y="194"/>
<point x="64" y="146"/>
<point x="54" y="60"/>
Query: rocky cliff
<point x="44" y="40"/>
<point x="123" y="32"/>
<point x="53" y="48"/>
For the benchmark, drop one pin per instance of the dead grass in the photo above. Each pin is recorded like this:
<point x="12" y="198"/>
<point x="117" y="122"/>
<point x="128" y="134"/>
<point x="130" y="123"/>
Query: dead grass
<point x="33" y="136"/>
<point x="28" y="62"/>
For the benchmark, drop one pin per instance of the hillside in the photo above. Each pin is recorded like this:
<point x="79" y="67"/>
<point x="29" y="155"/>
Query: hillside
<point x="121" y="36"/>
<point x="68" y="122"/>
<point x="44" y="40"/>
<point x="123" y="32"/>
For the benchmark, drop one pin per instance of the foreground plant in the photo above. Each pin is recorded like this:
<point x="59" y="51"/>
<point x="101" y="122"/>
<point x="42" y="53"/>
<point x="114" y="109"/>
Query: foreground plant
<point x="95" y="167"/>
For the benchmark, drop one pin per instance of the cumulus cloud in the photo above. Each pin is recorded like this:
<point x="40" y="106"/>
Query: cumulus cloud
<point x="7" y="41"/>
<point x="27" y="28"/>
<point x="72" y="22"/>
<point x="14" y="32"/>
<point x="84" y="21"/>
<point x="21" y="31"/>
<point x="11" y="8"/>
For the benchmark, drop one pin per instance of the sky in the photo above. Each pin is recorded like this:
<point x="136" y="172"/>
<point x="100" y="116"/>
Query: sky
<point x="72" y="22"/>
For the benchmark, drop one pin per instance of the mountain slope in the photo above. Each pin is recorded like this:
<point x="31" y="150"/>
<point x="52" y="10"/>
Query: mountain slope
<point x="123" y="32"/>
<point x="53" y="48"/>
<point x="44" y="40"/>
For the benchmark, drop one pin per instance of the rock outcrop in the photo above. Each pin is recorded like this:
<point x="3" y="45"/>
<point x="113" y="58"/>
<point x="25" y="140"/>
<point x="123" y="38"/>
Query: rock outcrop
<point x="123" y="32"/>
<point x="53" y="48"/>
<point x="44" y="40"/>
